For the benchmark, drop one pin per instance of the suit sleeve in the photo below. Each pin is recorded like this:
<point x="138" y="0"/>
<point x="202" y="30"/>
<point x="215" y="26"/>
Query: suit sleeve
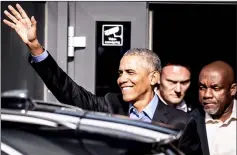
<point x="65" y="89"/>
<point x="189" y="142"/>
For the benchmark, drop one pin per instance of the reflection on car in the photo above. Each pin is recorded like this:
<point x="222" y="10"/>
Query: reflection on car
<point x="33" y="127"/>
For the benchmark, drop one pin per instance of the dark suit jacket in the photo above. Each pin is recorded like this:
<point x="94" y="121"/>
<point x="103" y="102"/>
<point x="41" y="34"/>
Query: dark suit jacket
<point x="68" y="92"/>
<point x="199" y="116"/>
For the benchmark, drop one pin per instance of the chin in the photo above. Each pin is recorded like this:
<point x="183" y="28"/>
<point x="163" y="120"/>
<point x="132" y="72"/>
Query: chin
<point x="175" y="101"/>
<point x="211" y="111"/>
<point x="128" y="98"/>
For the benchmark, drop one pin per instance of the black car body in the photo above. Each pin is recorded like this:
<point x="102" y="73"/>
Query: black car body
<point x="31" y="127"/>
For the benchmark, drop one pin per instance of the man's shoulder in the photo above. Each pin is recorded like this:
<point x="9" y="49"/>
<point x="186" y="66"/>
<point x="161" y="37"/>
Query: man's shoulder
<point x="116" y="103"/>
<point x="178" y="112"/>
<point x="114" y="98"/>
<point x="178" y="118"/>
<point x="197" y="112"/>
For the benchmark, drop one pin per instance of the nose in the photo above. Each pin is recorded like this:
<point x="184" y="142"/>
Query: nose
<point x="207" y="93"/>
<point x="177" y="88"/>
<point x="123" y="78"/>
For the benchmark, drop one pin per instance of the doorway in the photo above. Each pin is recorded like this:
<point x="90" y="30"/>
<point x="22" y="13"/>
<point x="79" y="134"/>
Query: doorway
<point x="196" y="34"/>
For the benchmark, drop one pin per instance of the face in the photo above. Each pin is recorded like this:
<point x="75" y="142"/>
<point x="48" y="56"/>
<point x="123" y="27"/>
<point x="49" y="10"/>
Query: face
<point x="174" y="82"/>
<point x="214" y="92"/>
<point x="134" y="79"/>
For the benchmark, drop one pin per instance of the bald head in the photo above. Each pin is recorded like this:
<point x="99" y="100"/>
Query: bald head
<point x="222" y="68"/>
<point x="217" y="88"/>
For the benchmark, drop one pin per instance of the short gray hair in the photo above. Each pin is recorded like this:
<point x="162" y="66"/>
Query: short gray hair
<point x="151" y="58"/>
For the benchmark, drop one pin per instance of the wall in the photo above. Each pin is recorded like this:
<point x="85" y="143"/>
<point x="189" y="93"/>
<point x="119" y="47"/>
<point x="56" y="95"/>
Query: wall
<point x="16" y="72"/>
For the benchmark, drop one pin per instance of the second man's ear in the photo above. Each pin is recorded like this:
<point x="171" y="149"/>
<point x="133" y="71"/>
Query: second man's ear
<point x="233" y="89"/>
<point x="158" y="81"/>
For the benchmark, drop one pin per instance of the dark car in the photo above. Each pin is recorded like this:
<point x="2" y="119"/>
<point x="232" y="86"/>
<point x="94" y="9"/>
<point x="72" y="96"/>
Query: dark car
<point x="31" y="127"/>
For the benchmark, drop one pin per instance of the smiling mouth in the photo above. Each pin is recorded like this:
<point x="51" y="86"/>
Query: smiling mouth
<point x="126" y="89"/>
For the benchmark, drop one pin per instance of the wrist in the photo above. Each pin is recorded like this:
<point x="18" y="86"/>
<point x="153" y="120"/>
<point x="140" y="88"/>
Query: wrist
<point x="35" y="48"/>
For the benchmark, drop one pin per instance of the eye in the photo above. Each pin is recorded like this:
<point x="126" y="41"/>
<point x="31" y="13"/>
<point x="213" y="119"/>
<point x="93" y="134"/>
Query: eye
<point x="120" y="73"/>
<point x="184" y="82"/>
<point x="172" y="82"/>
<point x="130" y="72"/>
<point x="216" y="88"/>
<point x="201" y="88"/>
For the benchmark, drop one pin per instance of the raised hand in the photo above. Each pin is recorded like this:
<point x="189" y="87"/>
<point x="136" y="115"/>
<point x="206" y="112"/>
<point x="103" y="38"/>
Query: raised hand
<point x="24" y="26"/>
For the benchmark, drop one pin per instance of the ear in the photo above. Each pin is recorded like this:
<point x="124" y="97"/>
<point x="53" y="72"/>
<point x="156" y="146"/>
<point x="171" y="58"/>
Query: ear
<point x="154" y="77"/>
<point x="233" y="89"/>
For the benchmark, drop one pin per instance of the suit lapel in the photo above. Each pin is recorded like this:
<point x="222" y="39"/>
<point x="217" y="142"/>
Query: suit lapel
<point x="161" y="113"/>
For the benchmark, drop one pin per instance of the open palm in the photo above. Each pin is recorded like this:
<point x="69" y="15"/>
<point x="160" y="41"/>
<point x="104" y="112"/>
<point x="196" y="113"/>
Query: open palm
<point x="25" y="27"/>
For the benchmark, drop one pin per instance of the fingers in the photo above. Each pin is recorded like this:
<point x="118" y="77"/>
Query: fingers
<point x="9" y="23"/>
<point x="22" y="12"/>
<point x="33" y="21"/>
<point x="15" y="13"/>
<point x="10" y="16"/>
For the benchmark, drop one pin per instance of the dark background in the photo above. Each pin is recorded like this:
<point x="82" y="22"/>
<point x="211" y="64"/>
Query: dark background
<point x="195" y="34"/>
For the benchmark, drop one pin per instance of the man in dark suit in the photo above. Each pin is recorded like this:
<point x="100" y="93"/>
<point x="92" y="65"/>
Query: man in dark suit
<point x="174" y="82"/>
<point x="138" y="74"/>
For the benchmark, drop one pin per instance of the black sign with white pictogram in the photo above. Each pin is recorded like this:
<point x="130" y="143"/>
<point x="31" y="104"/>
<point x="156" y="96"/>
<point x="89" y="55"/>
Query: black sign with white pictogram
<point x="112" y="35"/>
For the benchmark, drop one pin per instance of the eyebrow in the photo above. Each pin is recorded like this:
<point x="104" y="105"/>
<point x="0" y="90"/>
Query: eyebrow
<point x="212" y="85"/>
<point x="182" y="81"/>
<point x="215" y="85"/>
<point x="201" y="84"/>
<point x="126" y="70"/>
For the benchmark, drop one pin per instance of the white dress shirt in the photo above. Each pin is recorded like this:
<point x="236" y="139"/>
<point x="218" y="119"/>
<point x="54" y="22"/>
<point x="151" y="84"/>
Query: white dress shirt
<point x="222" y="135"/>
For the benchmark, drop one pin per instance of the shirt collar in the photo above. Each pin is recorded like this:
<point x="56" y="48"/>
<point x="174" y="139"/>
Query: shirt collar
<point x="182" y="106"/>
<point x="149" y="109"/>
<point x="233" y="114"/>
<point x="208" y="117"/>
